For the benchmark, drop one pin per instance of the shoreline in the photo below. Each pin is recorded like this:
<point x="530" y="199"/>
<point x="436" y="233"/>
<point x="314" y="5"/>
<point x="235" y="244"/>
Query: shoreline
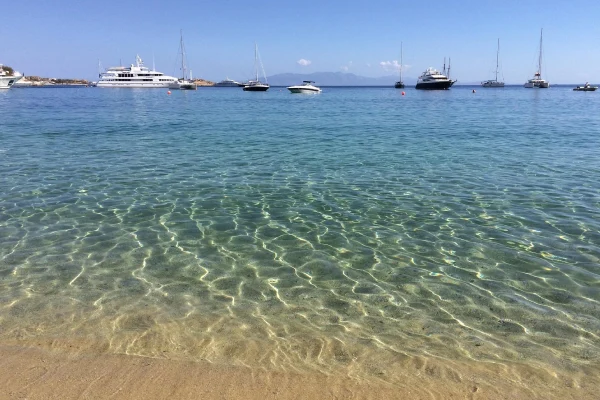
<point x="46" y="368"/>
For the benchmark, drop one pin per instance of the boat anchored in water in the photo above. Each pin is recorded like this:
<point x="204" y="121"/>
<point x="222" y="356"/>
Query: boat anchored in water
<point x="184" y="83"/>
<point x="585" y="88"/>
<point x="432" y="79"/>
<point x="400" y="84"/>
<point x="256" y="85"/>
<point x="494" y="82"/>
<point x="7" y="77"/>
<point x="134" y="76"/>
<point x="537" y="81"/>
<point x="306" y="87"/>
<point x="228" y="83"/>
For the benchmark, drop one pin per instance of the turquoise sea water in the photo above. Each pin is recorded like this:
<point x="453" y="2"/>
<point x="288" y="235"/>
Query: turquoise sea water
<point x="356" y="227"/>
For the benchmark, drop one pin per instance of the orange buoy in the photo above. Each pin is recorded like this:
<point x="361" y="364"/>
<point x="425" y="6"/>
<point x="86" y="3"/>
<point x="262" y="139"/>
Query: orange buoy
<point x="403" y="93"/>
<point x="168" y="92"/>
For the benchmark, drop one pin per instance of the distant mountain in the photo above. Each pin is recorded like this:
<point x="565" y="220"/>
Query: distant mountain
<point x="335" y="79"/>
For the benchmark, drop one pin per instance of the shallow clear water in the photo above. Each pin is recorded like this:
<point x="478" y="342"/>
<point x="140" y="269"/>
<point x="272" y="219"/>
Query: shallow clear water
<point x="355" y="227"/>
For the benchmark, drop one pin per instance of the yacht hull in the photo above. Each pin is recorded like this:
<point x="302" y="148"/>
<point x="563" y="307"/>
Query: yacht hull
<point x="303" y="90"/>
<point x="6" y="82"/>
<point x="255" y="88"/>
<point x="493" y="84"/>
<point x="438" y="85"/>
<point x="399" y="85"/>
<point x="585" y="89"/>
<point x="149" y="85"/>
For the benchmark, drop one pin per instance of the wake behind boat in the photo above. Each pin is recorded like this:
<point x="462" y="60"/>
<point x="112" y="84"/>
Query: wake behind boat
<point x="306" y="87"/>
<point x="134" y="76"/>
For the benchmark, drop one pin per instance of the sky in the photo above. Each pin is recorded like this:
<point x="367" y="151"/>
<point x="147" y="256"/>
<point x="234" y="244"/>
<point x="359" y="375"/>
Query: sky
<point x="66" y="39"/>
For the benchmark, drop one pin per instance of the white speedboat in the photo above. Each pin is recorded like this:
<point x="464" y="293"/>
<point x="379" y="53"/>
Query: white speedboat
<point x="494" y="82"/>
<point x="306" y="87"/>
<point x="432" y="79"/>
<point x="537" y="81"/>
<point x="228" y="83"/>
<point x="134" y="76"/>
<point x="7" y="79"/>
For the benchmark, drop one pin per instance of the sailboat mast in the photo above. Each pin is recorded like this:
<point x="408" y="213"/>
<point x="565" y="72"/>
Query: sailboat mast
<point x="448" y="68"/>
<point x="182" y="55"/>
<point x="497" y="52"/>
<point x="401" y="62"/>
<point x="256" y="60"/>
<point x="444" y="71"/>
<point x="540" y="58"/>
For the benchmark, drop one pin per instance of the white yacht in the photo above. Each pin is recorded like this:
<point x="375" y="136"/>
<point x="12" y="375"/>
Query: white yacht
<point x="228" y="83"/>
<point x="306" y="87"/>
<point x="134" y="76"/>
<point x="432" y="79"/>
<point x="6" y="80"/>
<point x="537" y="81"/>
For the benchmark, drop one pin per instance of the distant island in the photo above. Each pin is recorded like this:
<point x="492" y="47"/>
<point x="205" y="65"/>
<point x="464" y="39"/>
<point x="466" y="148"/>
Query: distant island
<point x="335" y="79"/>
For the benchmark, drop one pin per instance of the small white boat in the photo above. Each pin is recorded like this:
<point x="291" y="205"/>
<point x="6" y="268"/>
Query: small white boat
<point x="6" y="79"/>
<point x="306" y="87"/>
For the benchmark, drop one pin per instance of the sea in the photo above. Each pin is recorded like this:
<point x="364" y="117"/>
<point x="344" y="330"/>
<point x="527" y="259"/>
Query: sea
<point x="359" y="231"/>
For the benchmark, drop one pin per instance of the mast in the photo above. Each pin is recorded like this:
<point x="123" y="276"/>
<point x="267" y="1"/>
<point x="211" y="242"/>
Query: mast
<point x="256" y="60"/>
<point x="497" y="52"/>
<point x="540" y="58"/>
<point x="448" y="76"/>
<point x="444" y="71"/>
<point x="400" y="62"/>
<point x="182" y="55"/>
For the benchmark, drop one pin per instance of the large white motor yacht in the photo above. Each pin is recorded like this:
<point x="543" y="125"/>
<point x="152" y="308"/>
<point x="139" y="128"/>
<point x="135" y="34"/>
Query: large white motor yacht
<point x="432" y="79"/>
<point x="306" y="87"/>
<point x="228" y="83"/>
<point x="134" y="76"/>
<point x="6" y="80"/>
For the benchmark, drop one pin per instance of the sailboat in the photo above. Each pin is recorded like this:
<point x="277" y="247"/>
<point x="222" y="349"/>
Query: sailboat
<point x="256" y="85"/>
<point x="183" y="83"/>
<point x="494" y="82"/>
<point x="400" y="84"/>
<point x="537" y="81"/>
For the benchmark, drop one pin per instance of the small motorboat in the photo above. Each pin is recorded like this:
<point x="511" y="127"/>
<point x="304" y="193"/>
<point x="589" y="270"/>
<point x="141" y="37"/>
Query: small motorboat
<point x="306" y="87"/>
<point x="585" y="88"/>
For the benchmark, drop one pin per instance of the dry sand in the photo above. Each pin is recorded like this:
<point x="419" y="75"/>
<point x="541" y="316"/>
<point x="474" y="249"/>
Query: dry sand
<point x="50" y="371"/>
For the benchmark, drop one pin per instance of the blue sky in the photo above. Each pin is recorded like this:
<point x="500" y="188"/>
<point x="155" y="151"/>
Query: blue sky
<point x="66" y="38"/>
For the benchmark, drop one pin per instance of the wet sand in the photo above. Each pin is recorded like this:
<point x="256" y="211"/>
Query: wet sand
<point x="69" y="370"/>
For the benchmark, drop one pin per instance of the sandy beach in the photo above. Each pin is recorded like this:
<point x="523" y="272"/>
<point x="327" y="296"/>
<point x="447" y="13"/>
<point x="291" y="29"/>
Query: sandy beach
<point x="67" y="370"/>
